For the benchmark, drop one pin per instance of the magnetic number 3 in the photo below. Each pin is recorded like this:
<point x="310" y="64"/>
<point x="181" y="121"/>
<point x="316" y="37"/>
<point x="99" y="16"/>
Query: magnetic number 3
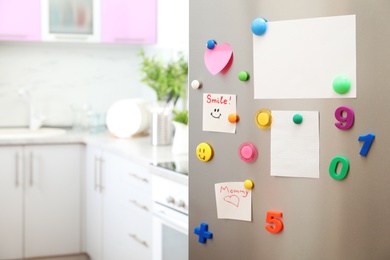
<point x="273" y="218"/>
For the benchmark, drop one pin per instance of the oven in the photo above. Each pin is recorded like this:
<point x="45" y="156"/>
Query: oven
<point x="170" y="213"/>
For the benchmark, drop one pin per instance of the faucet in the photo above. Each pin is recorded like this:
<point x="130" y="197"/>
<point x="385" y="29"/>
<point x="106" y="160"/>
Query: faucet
<point x="35" y="119"/>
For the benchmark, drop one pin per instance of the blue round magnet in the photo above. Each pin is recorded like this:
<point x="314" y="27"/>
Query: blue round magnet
<point x="259" y="26"/>
<point x="211" y="44"/>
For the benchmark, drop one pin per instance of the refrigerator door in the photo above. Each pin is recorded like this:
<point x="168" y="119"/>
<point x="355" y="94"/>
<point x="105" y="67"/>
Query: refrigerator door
<point x="340" y="213"/>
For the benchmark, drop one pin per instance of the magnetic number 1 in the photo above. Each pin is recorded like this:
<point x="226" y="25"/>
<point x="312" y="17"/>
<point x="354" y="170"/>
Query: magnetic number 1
<point x="368" y="139"/>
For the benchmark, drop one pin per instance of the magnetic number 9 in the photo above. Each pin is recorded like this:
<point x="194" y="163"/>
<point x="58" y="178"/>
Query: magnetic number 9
<point x="273" y="218"/>
<point x="345" y="116"/>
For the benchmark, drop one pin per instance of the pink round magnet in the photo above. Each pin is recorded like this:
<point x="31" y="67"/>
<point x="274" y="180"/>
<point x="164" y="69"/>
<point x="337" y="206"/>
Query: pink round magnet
<point x="247" y="152"/>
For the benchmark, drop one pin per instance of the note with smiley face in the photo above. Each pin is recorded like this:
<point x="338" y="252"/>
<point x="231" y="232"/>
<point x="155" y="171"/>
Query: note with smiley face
<point x="216" y="111"/>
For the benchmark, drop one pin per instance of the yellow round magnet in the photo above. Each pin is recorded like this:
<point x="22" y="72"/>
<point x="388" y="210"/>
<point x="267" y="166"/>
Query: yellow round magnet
<point x="248" y="184"/>
<point x="263" y="118"/>
<point x="204" y="152"/>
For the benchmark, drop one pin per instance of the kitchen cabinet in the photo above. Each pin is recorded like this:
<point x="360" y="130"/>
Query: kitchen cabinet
<point x="118" y="203"/>
<point x="70" y="21"/>
<point x="40" y="198"/>
<point x="127" y="217"/>
<point x="94" y="203"/>
<point x="128" y="21"/>
<point x="11" y="203"/>
<point x="20" y="20"/>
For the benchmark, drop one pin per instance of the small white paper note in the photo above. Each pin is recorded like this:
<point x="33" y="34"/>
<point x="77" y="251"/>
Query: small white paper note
<point x="216" y="110"/>
<point x="234" y="201"/>
<point x="301" y="58"/>
<point x="295" y="148"/>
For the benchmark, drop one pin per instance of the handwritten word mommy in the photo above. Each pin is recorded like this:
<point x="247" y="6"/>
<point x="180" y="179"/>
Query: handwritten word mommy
<point x="243" y="193"/>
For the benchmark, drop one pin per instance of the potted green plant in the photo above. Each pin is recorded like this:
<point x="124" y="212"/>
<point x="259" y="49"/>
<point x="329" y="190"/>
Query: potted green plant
<point x="180" y="139"/>
<point x="167" y="78"/>
<point x="169" y="81"/>
<point x="180" y="116"/>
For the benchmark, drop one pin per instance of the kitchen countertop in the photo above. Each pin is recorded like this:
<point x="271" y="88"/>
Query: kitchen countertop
<point x="138" y="149"/>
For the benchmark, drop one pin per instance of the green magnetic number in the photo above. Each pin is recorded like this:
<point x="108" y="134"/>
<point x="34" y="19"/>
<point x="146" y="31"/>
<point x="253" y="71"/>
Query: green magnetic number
<point x="344" y="168"/>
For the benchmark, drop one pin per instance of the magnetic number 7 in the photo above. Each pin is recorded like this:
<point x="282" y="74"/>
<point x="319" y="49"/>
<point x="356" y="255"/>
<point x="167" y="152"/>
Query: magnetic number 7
<point x="368" y="139"/>
<point x="273" y="218"/>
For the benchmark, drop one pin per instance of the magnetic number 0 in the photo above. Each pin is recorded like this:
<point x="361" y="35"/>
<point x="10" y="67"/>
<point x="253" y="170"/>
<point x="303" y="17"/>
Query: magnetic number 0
<point x="345" y="116"/>
<point x="273" y="218"/>
<point x="344" y="168"/>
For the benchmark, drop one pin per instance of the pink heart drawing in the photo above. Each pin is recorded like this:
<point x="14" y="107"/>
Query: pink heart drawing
<point x="218" y="58"/>
<point x="232" y="199"/>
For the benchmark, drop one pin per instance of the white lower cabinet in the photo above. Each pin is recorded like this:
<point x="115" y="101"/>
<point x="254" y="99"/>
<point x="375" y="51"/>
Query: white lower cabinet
<point x="118" y="205"/>
<point x="93" y="203"/>
<point x="40" y="200"/>
<point x="11" y="203"/>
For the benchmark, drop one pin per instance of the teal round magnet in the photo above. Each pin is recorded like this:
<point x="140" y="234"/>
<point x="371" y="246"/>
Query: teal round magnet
<point x="211" y="44"/>
<point x="243" y="76"/>
<point x="341" y="84"/>
<point x="259" y="26"/>
<point x="297" y="119"/>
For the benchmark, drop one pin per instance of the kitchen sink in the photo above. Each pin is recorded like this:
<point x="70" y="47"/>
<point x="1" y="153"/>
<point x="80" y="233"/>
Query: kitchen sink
<point x="11" y="133"/>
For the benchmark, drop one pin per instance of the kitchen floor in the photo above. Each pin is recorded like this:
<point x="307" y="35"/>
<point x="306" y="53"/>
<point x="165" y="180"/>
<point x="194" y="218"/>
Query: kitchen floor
<point x="71" y="257"/>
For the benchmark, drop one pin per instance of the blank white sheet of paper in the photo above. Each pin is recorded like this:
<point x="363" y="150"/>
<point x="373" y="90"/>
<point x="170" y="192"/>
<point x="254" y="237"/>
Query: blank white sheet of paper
<point x="295" y="148"/>
<point x="301" y="58"/>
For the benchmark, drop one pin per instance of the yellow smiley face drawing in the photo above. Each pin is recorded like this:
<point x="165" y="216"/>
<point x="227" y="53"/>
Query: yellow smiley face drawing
<point x="204" y="152"/>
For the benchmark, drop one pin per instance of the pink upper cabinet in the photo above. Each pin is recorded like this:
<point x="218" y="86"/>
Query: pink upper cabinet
<point x="129" y="21"/>
<point x="20" y="20"/>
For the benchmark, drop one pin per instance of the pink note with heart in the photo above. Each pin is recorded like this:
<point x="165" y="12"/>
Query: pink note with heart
<point x="218" y="58"/>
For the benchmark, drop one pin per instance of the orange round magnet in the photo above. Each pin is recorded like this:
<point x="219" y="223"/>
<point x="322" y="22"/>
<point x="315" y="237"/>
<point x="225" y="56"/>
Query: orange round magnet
<point x="233" y="118"/>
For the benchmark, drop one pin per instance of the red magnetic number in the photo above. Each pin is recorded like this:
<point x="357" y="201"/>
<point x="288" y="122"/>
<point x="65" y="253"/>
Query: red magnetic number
<point x="273" y="218"/>
<point x="345" y="116"/>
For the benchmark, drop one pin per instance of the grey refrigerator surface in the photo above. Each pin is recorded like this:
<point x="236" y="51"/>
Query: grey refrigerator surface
<point x="323" y="218"/>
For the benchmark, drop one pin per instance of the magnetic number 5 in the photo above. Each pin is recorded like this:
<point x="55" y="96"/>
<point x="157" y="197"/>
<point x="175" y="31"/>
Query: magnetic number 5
<point x="273" y="218"/>
<point x="345" y="116"/>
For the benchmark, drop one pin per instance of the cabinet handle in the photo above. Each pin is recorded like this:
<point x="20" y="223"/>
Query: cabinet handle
<point x="83" y="38"/>
<point x="17" y="169"/>
<point x="14" y="36"/>
<point x="95" y="172"/>
<point x="129" y="39"/>
<point x="101" y="161"/>
<point x="138" y="177"/>
<point x="142" y="242"/>
<point x="139" y="205"/>
<point x="31" y="169"/>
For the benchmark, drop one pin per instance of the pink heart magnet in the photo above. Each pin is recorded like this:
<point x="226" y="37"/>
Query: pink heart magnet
<point x="218" y="58"/>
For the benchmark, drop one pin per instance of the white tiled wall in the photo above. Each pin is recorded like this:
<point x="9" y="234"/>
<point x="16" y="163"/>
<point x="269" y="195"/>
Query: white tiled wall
<point x="58" y="75"/>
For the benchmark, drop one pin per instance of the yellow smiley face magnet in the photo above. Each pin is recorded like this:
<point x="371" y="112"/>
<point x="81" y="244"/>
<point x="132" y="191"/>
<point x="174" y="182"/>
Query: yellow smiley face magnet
<point x="204" y="152"/>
